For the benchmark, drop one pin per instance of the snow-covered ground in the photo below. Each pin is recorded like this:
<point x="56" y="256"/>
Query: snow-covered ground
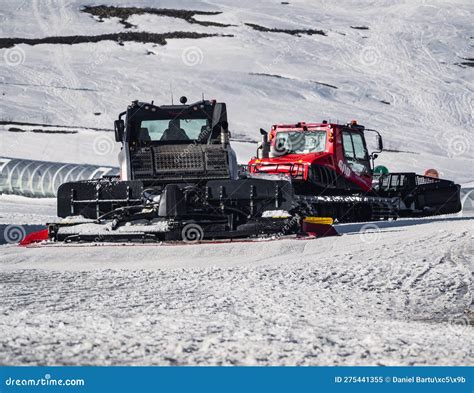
<point x="19" y="210"/>
<point x="396" y="294"/>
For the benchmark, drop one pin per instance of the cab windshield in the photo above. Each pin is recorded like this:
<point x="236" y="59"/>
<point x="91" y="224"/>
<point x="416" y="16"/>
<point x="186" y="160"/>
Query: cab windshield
<point x="299" y="142"/>
<point x="194" y="130"/>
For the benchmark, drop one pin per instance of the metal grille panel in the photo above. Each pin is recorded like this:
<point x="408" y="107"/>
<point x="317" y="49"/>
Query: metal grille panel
<point x="186" y="162"/>
<point x="179" y="158"/>
<point x="142" y="164"/>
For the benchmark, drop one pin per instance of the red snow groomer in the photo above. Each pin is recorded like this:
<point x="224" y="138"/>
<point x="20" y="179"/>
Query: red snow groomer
<point x="332" y="172"/>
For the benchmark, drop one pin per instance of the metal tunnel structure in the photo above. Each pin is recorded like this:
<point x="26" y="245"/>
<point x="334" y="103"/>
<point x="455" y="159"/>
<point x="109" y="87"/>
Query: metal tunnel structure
<point x="41" y="179"/>
<point x="467" y="199"/>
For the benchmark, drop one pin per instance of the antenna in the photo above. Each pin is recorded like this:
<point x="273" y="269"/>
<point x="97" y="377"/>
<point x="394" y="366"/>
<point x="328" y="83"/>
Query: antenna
<point x="202" y="96"/>
<point x="171" y="92"/>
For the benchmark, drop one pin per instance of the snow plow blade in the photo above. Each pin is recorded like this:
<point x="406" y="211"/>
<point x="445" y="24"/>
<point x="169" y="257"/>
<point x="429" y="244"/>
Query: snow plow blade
<point x="319" y="226"/>
<point x="35" y="237"/>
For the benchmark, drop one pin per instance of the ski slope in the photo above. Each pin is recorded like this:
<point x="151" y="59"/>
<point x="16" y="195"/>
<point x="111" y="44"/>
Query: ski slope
<point x="410" y="56"/>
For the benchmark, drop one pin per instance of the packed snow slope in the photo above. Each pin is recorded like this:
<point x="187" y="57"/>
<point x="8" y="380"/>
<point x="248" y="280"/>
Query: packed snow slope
<point x="398" y="293"/>
<point x="401" y="67"/>
<point x="398" y="296"/>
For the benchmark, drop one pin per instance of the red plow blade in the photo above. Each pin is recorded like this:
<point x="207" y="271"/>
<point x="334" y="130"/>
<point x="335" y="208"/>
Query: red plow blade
<point x="34" y="237"/>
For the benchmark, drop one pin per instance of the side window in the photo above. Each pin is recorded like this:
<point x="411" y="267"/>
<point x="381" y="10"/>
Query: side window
<point x="347" y="142"/>
<point x="359" y="149"/>
<point x="354" y="146"/>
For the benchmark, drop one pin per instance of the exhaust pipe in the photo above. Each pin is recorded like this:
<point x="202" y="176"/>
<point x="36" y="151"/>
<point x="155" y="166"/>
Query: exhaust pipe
<point x="263" y="150"/>
<point x="225" y="134"/>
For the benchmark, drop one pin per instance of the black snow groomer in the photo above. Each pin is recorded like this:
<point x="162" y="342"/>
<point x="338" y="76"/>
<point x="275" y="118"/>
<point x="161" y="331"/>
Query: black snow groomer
<point x="178" y="181"/>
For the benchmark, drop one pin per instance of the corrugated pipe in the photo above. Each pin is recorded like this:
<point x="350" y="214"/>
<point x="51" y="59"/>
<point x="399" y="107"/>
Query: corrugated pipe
<point x="467" y="199"/>
<point x="41" y="179"/>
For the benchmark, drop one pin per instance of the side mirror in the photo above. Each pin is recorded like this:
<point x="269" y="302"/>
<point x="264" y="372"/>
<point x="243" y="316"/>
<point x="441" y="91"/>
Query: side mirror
<point x="225" y="125"/>
<point x="380" y="142"/>
<point x="119" y="126"/>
